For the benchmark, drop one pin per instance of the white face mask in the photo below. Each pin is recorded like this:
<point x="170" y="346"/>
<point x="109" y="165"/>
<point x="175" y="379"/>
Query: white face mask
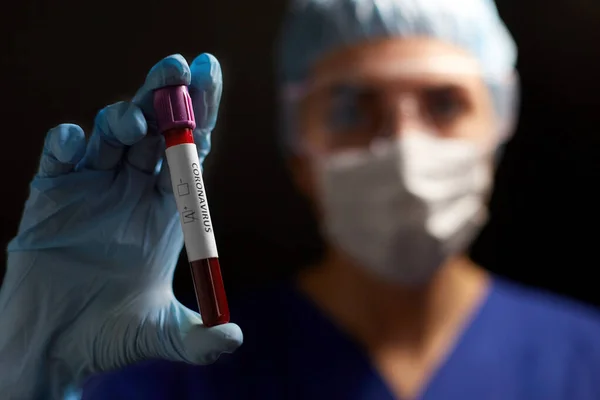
<point x="404" y="206"/>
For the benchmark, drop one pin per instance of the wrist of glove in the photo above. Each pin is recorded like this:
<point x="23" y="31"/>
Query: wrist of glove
<point x="25" y="365"/>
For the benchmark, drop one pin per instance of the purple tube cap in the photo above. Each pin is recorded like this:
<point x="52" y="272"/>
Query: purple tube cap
<point x="173" y="108"/>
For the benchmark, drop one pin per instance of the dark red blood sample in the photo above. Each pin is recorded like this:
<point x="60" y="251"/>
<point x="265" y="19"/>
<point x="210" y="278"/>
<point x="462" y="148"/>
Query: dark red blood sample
<point x="178" y="136"/>
<point x="210" y="291"/>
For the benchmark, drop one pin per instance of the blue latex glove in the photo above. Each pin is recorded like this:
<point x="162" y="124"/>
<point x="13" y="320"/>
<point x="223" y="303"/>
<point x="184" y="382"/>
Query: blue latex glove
<point x="89" y="280"/>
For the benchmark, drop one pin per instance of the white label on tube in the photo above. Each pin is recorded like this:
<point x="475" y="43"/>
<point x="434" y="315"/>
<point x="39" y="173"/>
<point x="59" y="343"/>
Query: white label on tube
<point x="190" y="195"/>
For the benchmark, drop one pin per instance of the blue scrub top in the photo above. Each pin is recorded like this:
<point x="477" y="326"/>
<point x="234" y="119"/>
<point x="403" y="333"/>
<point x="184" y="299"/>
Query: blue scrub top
<point x="521" y="345"/>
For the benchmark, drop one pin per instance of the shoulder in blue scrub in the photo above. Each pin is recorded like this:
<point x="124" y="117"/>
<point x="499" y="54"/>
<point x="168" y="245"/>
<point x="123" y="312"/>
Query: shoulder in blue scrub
<point x="522" y="345"/>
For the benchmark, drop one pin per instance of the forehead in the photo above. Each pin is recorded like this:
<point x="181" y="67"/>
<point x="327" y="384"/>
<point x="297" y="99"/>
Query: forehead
<point x="407" y="61"/>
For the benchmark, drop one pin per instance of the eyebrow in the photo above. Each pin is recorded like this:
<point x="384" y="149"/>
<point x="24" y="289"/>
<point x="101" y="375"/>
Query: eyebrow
<point x="444" y="87"/>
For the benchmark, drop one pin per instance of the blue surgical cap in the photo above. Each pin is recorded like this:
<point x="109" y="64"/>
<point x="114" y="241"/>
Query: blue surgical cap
<point x="312" y="28"/>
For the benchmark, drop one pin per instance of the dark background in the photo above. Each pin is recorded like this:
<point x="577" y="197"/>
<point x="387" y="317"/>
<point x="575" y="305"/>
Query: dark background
<point x="62" y="61"/>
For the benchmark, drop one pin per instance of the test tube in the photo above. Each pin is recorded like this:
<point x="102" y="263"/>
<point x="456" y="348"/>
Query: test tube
<point x="176" y="122"/>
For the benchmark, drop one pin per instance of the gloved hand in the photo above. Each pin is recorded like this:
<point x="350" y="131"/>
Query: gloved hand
<point x="89" y="280"/>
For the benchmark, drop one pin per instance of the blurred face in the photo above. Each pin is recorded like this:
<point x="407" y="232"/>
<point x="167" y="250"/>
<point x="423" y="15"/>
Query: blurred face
<point x="392" y="86"/>
<point x="397" y="137"/>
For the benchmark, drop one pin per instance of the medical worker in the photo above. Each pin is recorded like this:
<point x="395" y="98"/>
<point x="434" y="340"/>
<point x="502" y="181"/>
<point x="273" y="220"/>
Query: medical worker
<point x="394" y="111"/>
